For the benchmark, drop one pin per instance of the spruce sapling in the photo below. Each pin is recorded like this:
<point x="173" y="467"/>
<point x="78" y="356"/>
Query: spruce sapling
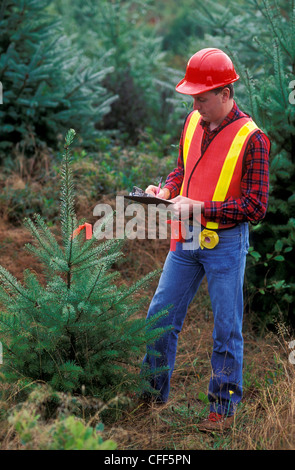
<point x="77" y="328"/>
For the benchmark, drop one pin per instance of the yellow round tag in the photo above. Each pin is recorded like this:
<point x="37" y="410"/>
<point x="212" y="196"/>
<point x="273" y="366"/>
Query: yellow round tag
<point x="208" y="239"/>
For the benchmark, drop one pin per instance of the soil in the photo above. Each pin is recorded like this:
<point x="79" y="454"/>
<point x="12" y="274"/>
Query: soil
<point x="13" y="255"/>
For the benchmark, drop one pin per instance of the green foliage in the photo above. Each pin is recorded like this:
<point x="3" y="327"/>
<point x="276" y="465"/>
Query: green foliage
<point x="47" y="80"/>
<point x="275" y="239"/>
<point x="122" y="167"/>
<point x="203" y="398"/>
<point x="260" y="39"/>
<point x="63" y="60"/>
<point x="65" y="432"/>
<point x="112" y="168"/>
<point x="78" y="329"/>
<point x="179" y="27"/>
<point x="72" y="434"/>
<point x="123" y="33"/>
<point x="19" y="202"/>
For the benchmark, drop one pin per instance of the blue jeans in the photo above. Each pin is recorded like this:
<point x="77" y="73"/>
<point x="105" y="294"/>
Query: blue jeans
<point x="224" y="267"/>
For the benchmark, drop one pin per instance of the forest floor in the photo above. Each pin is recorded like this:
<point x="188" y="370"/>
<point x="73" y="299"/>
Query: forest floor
<point x="266" y="416"/>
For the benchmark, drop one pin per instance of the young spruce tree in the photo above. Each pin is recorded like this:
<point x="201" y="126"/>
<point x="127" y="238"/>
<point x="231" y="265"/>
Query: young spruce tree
<point x="47" y="81"/>
<point x="80" y="328"/>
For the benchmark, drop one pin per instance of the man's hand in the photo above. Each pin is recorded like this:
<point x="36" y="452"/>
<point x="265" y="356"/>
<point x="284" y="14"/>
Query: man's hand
<point x="185" y="202"/>
<point x="163" y="193"/>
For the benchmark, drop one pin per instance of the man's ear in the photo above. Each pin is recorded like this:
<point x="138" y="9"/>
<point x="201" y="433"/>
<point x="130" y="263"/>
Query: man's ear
<point x="225" y="94"/>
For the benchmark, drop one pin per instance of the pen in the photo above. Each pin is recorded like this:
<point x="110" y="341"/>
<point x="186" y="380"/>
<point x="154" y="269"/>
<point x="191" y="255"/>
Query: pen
<point x="159" y="187"/>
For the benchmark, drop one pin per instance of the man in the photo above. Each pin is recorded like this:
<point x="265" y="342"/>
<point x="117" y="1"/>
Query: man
<point x="223" y="168"/>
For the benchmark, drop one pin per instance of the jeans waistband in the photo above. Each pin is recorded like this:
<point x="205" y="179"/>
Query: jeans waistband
<point x="218" y="230"/>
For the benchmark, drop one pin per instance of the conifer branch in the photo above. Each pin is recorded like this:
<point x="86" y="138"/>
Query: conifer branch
<point x="69" y="260"/>
<point x="277" y="31"/>
<point x="94" y="284"/>
<point x="67" y="191"/>
<point x="135" y="287"/>
<point x="108" y="260"/>
<point x="12" y="284"/>
<point x="250" y="87"/>
<point x="34" y="231"/>
<point x="48" y="234"/>
<point x="278" y="71"/>
<point x="293" y="36"/>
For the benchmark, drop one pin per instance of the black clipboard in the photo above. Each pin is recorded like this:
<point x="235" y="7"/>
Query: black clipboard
<point x="138" y="195"/>
<point x="149" y="200"/>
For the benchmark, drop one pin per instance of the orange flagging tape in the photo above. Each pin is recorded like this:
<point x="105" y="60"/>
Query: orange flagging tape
<point x="177" y="230"/>
<point x="88" y="230"/>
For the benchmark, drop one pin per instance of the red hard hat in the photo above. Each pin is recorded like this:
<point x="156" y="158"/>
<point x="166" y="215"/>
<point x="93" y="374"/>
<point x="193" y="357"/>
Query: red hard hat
<point x="207" y="69"/>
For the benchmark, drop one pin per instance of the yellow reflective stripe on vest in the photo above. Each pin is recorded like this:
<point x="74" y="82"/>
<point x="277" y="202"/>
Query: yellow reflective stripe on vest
<point x="189" y="134"/>
<point x="229" y="165"/>
<point x="188" y="137"/>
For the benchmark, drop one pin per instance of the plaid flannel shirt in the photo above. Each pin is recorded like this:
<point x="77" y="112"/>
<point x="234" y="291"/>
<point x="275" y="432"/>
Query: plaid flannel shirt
<point x="252" y="204"/>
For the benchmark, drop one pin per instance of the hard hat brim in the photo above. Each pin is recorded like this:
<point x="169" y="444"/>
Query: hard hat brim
<point x="187" y="88"/>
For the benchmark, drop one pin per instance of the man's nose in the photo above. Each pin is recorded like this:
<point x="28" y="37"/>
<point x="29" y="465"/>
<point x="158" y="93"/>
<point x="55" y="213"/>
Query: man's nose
<point x="196" y="105"/>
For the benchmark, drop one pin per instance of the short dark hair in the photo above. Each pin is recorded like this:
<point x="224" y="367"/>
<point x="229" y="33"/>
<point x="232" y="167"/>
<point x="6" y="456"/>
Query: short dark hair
<point x="229" y="86"/>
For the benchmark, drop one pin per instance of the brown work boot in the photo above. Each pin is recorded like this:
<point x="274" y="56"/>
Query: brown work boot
<point x="215" y="422"/>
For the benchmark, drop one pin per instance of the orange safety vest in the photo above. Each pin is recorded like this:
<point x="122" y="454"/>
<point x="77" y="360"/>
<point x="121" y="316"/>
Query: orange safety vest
<point x="216" y="174"/>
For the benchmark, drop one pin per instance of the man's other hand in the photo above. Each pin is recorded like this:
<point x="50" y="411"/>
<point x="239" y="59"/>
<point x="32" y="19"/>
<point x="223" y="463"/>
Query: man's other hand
<point x="163" y="193"/>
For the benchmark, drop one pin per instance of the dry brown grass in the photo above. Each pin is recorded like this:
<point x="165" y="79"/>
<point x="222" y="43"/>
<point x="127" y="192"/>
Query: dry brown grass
<point x="265" y="419"/>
